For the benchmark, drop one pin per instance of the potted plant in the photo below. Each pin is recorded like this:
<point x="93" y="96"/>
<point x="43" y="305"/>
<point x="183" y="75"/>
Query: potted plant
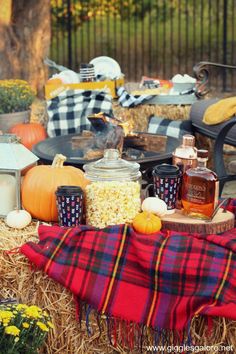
<point x="16" y="97"/>
<point x="23" y="329"/>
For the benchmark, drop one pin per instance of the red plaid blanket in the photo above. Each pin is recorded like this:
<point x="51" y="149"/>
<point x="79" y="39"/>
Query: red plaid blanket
<point x="160" y="280"/>
<point x="232" y="207"/>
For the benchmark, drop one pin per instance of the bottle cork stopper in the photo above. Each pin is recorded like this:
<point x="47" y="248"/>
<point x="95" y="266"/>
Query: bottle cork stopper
<point x="188" y="140"/>
<point x="202" y="154"/>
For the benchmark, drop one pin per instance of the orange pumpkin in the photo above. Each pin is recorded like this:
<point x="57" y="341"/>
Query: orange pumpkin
<point x="29" y="133"/>
<point x="40" y="184"/>
<point x="146" y="223"/>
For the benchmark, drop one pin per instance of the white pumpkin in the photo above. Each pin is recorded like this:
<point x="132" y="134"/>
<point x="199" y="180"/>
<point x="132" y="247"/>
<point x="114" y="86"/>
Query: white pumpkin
<point x="18" y="219"/>
<point x="68" y="77"/>
<point x="155" y="205"/>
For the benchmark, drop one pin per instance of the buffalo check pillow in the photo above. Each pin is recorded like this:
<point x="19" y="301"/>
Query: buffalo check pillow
<point x="173" y="128"/>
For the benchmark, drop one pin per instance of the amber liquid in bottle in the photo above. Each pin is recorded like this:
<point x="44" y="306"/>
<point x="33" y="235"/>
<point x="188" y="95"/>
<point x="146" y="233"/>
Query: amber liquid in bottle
<point x="200" y="189"/>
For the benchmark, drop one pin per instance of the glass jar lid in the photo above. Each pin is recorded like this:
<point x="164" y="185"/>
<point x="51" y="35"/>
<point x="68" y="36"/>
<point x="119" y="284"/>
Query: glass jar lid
<point x="112" y="168"/>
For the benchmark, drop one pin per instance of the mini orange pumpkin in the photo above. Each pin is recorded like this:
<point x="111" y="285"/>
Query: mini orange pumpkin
<point x="146" y="223"/>
<point x="29" y="133"/>
<point x="40" y="183"/>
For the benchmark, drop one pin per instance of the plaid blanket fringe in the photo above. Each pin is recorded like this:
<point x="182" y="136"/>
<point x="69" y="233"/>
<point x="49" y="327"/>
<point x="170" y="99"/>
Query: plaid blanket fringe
<point x="131" y="334"/>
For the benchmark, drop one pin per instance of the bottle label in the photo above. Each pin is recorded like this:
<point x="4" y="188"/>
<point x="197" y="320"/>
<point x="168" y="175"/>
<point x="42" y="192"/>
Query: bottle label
<point x="196" y="193"/>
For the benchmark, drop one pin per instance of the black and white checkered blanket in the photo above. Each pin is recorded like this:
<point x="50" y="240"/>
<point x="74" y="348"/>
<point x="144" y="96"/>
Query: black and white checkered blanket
<point x="68" y="111"/>
<point x="165" y="126"/>
<point x="128" y="100"/>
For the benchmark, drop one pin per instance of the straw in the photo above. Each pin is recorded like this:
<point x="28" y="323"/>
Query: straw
<point x="29" y="286"/>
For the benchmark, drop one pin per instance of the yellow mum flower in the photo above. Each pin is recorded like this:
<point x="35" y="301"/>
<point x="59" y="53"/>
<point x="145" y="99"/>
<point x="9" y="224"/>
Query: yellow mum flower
<point x="50" y="324"/>
<point x="5" y="321"/>
<point x="6" y="315"/>
<point x="25" y="324"/>
<point x="21" y="307"/>
<point x="33" y="311"/>
<point x="13" y="330"/>
<point x="42" y="326"/>
<point x="35" y="308"/>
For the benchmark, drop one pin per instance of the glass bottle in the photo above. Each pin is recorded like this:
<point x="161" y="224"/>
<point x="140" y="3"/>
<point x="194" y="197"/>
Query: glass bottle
<point x="200" y="189"/>
<point x="114" y="194"/>
<point x="185" y="157"/>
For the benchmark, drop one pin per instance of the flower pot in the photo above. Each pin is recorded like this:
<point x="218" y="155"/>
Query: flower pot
<point x="8" y="120"/>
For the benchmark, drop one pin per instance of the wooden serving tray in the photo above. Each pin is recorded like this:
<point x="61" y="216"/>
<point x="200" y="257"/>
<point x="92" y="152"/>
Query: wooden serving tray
<point x="223" y="221"/>
<point x="172" y="99"/>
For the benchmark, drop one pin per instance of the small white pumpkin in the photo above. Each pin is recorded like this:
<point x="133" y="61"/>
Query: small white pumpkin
<point x="18" y="219"/>
<point x="155" y="205"/>
<point x="68" y="77"/>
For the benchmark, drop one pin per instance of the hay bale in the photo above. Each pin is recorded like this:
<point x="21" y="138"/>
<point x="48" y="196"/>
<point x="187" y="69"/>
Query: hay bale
<point x="34" y="287"/>
<point x="139" y="116"/>
<point x="39" y="112"/>
<point x="29" y="286"/>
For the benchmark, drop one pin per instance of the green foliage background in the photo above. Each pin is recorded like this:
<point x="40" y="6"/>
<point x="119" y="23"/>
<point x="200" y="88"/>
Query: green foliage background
<point x="150" y="37"/>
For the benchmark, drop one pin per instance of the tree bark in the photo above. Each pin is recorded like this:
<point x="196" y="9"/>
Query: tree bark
<point x="24" y="43"/>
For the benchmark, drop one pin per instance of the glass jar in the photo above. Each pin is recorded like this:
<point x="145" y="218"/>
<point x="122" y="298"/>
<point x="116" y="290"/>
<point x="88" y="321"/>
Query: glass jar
<point x="113" y="196"/>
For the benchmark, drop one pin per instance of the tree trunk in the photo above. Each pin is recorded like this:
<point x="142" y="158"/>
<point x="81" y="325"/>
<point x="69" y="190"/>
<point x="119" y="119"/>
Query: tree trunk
<point x="25" y="42"/>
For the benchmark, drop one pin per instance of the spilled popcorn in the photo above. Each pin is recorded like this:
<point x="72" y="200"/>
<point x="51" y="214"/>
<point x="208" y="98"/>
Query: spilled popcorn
<point x="112" y="203"/>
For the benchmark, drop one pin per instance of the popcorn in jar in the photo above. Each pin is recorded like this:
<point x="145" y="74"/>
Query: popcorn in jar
<point x="113" y="196"/>
<point x="112" y="203"/>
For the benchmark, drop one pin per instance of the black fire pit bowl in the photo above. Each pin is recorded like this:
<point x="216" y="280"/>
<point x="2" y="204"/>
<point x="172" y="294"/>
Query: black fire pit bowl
<point x="47" y="149"/>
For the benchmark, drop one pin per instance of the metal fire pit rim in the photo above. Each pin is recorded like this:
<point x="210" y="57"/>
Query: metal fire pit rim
<point x="80" y="162"/>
